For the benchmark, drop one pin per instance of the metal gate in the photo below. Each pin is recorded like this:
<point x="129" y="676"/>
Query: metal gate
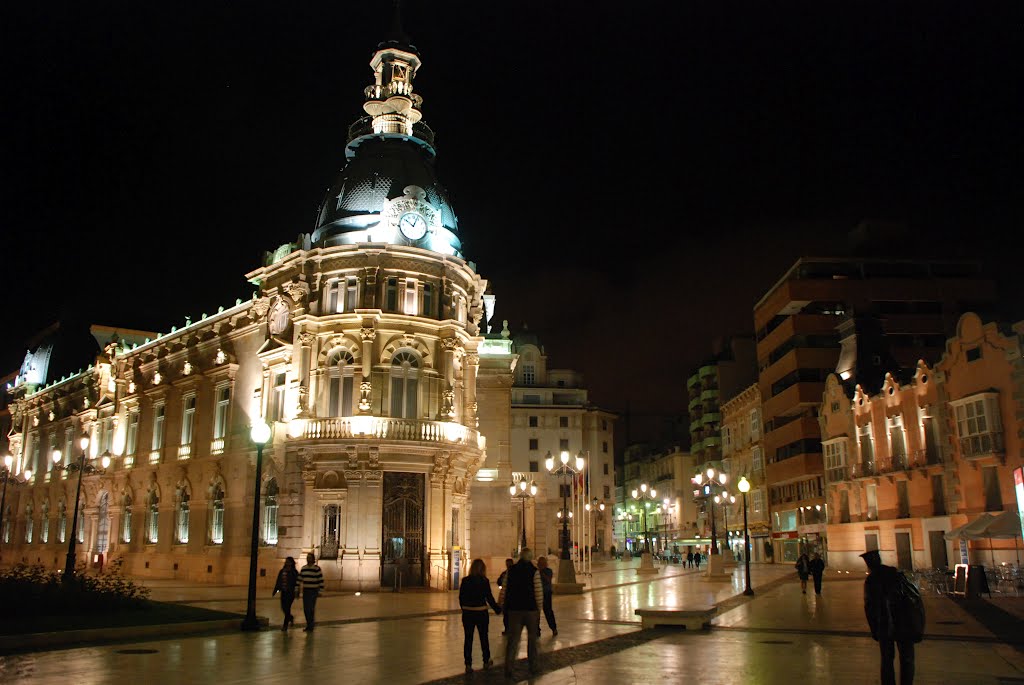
<point x="402" y="529"/>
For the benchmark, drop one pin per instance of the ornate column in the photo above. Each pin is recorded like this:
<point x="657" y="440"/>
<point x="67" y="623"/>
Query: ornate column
<point x="306" y="341"/>
<point x="435" y="508"/>
<point x="368" y="335"/>
<point x="450" y="347"/>
<point x="472" y="367"/>
<point x="370" y="512"/>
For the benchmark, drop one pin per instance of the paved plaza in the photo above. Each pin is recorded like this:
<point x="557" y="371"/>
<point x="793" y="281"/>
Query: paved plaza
<point x="779" y="636"/>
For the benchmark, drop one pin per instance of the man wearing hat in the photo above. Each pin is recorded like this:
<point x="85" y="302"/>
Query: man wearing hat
<point x="882" y="611"/>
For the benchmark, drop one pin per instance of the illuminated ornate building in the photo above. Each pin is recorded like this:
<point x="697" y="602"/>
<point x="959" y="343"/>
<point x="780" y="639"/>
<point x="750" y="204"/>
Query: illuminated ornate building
<point x="364" y="349"/>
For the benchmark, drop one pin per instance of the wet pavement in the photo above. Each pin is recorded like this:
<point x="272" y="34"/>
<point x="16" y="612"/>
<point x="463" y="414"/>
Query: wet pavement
<point x="416" y="637"/>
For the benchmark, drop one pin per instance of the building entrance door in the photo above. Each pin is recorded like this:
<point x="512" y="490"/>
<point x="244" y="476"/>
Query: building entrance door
<point x="402" y="530"/>
<point x="904" y="557"/>
<point x="937" y="541"/>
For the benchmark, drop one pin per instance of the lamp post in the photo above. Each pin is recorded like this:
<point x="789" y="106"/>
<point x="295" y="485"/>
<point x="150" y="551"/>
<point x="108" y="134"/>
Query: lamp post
<point x="566" y="572"/>
<point x="595" y="506"/>
<point x="744" y="487"/>
<point x="645" y="495"/>
<point x="8" y="477"/>
<point x="259" y="433"/>
<point x="83" y="468"/>
<point x="523" y="492"/>
<point x="715" y="481"/>
<point x="725" y="500"/>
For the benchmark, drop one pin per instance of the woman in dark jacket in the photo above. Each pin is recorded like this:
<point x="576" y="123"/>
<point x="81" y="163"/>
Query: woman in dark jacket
<point x="474" y="596"/>
<point x="287" y="581"/>
<point x="803" y="569"/>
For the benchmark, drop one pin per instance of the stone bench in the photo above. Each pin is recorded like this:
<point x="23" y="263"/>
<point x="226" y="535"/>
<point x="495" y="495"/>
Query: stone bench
<point x="691" y="619"/>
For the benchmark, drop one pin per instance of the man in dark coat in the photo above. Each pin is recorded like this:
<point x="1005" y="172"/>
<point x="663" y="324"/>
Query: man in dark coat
<point x="523" y="599"/>
<point x="880" y="589"/>
<point x="817" y="567"/>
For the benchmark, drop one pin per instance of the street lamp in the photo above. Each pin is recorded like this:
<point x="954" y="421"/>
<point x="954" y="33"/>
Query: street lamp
<point x="7" y="476"/>
<point x="744" y="487"/>
<point x="566" y="572"/>
<point x="259" y="434"/>
<point x="83" y="468"/>
<point x="523" y="492"/>
<point x="715" y="480"/>
<point x="646" y="495"/>
<point x="595" y="507"/>
<point x="725" y="500"/>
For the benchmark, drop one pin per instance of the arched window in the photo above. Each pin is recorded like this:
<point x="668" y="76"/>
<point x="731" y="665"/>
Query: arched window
<point x="62" y="522"/>
<point x="153" y="519"/>
<point x="126" y="520"/>
<point x="28" y="523"/>
<point x="270" y="494"/>
<point x="404" y="376"/>
<point x="330" y="535"/>
<point x="44" y="532"/>
<point x="103" y="524"/>
<point x="340" y="383"/>
<point x="182" y="517"/>
<point x="217" y="516"/>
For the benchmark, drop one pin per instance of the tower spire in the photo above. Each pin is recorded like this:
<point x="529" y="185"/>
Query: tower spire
<point x="390" y="101"/>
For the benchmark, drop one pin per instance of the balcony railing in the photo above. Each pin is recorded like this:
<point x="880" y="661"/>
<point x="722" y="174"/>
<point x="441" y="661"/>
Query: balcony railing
<point x="864" y="469"/>
<point x="384" y="428"/>
<point x="890" y="465"/>
<point x="184" y="451"/>
<point x="981" y="445"/>
<point x="129" y="461"/>
<point x="217" y="446"/>
<point x="154" y="457"/>
<point x="924" y="457"/>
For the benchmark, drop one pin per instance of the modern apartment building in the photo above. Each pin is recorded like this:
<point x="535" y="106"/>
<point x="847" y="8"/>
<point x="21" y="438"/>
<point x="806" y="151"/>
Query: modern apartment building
<point x="671" y="513"/>
<point x="731" y="368"/>
<point x="923" y="453"/>
<point x="855" y="317"/>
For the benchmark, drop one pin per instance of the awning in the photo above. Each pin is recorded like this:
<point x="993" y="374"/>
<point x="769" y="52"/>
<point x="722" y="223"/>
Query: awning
<point x="971" y="531"/>
<point x="1006" y="526"/>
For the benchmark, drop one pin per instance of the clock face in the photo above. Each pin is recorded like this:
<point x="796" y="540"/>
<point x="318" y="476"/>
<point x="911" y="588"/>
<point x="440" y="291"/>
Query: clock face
<point x="412" y="225"/>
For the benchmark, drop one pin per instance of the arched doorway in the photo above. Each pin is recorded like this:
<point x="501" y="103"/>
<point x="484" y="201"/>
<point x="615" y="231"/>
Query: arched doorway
<point x="402" y="529"/>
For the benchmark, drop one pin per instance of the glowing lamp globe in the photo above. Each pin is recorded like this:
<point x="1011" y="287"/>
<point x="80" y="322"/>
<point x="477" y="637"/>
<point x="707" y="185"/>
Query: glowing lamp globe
<point x="57" y="456"/>
<point x="260" y="432"/>
<point x="743" y="485"/>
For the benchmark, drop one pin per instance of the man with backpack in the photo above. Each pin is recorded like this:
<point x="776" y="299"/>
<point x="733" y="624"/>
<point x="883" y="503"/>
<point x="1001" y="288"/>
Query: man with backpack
<point x="895" y="613"/>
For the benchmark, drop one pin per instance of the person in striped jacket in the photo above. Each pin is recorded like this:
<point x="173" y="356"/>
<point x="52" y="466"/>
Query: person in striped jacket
<point x="311" y="579"/>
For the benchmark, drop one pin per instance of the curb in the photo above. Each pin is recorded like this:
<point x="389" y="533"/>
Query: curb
<point x="12" y="644"/>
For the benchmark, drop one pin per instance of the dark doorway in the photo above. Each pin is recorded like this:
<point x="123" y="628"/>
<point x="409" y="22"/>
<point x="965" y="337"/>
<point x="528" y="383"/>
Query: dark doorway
<point x="937" y="542"/>
<point x="904" y="555"/>
<point x="402" y="528"/>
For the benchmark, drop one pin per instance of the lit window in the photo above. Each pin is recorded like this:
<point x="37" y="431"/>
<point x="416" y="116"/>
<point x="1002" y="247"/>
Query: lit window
<point x="153" y="519"/>
<point x="217" y="517"/>
<point x="404" y="384"/>
<point x="132" y="433"/>
<point x="411" y="297"/>
<point x="158" y="426"/>
<point x="183" y="518"/>
<point x="270" y="513"/>
<point x="529" y="374"/>
<point x="29" y="524"/>
<point x="276" y="410"/>
<point x="220" y="418"/>
<point x="188" y="415"/>
<point x="126" y="520"/>
<point x="340" y="383"/>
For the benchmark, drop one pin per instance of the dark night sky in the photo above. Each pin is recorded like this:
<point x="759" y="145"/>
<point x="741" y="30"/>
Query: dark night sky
<point x="631" y="177"/>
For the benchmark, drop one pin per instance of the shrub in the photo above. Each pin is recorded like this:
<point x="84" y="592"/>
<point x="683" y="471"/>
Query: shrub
<point x="35" y="589"/>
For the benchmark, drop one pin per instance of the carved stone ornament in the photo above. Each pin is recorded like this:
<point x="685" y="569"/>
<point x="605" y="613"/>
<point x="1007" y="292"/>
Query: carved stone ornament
<point x="35" y="420"/>
<point x="220" y="358"/>
<point x="296" y="290"/>
<point x="449" y="344"/>
<point x="186" y="370"/>
<point x="368" y="334"/>
<point x="131" y="387"/>
<point x="373" y="476"/>
<point x="156" y="379"/>
<point x="260" y="307"/>
<point x="352" y="476"/>
<point x="353" y="457"/>
<point x="374" y="462"/>
<point x="51" y="416"/>
<point x="306" y="339"/>
<point x="364" y="396"/>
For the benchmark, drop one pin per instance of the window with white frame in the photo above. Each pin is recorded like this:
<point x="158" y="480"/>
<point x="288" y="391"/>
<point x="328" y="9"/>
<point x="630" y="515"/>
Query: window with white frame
<point x="897" y="438"/>
<point x="158" y="426"/>
<point x="978" y="424"/>
<point x="126" y="520"/>
<point x="755" y="424"/>
<point x="340" y="383"/>
<point x="217" y="516"/>
<point x="835" y="454"/>
<point x="871" y="493"/>
<point x="757" y="461"/>
<point x="188" y="418"/>
<point x="428" y="300"/>
<point x="182" y="518"/>
<point x="351" y="294"/>
<point x="404" y="384"/>
<point x="131" y="439"/>
<point x="106" y="432"/>
<point x="757" y="501"/>
<point x="334" y="300"/>
<point x="529" y="374"/>
<point x="69" y="444"/>
<point x="411" y="306"/>
<point x="220" y="417"/>
<point x="29" y="524"/>
<point x="270" y="494"/>
<point x="867" y="447"/>
<point x="275" y="412"/>
<point x="153" y="519"/>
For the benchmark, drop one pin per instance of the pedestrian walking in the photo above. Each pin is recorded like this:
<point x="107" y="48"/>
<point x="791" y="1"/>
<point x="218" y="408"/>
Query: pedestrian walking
<point x="474" y="597"/>
<point x="546" y="579"/>
<point x="803" y="569"/>
<point x="689" y="559"/>
<point x="501" y="595"/>
<point x="287" y="583"/>
<point x="311" y="578"/>
<point x="817" y="568"/>
<point x="696" y="559"/>
<point x="524" y="596"/>
<point x="895" y="613"/>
